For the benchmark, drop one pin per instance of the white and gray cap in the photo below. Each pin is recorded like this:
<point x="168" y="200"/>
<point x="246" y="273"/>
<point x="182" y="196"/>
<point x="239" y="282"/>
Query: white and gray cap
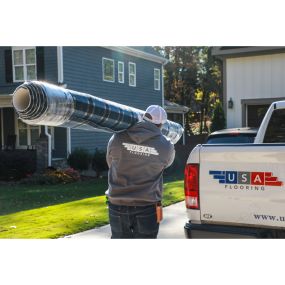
<point x="157" y="113"/>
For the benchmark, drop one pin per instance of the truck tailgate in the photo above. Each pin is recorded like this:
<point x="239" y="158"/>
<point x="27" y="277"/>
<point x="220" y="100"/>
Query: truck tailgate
<point x="243" y="184"/>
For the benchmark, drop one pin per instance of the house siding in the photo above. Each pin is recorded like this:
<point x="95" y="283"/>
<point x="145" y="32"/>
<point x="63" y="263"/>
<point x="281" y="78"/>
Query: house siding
<point x="50" y="55"/>
<point x="50" y="59"/>
<point x="254" y="77"/>
<point x="60" y="140"/>
<point x="89" y="140"/>
<point x="83" y="72"/>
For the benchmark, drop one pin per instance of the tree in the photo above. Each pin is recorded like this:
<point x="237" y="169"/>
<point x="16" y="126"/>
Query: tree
<point x="192" y="78"/>
<point x="180" y="80"/>
<point x="210" y="84"/>
<point x="218" y="119"/>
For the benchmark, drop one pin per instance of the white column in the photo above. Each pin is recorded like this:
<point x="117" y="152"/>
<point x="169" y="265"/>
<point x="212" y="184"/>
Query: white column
<point x="49" y="145"/>
<point x="183" y="122"/>
<point x="60" y="76"/>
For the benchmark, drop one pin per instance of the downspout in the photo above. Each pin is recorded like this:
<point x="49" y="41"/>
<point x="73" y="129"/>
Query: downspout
<point x="162" y="85"/>
<point x="68" y="143"/>
<point x="60" y="80"/>
<point x="49" y="145"/>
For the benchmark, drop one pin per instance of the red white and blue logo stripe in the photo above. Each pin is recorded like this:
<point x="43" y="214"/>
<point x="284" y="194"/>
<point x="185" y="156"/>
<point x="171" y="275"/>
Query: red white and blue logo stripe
<point x="246" y="177"/>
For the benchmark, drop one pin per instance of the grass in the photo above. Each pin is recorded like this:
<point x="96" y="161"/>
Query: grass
<point x="21" y="197"/>
<point x="57" y="211"/>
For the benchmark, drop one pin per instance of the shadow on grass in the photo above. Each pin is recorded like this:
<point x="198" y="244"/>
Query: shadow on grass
<point x="23" y="197"/>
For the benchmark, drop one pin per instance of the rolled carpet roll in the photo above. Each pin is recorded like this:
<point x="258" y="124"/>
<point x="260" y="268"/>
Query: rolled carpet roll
<point x="41" y="103"/>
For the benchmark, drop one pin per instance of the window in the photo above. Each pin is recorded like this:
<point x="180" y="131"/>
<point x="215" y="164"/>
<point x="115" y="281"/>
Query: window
<point x="121" y="74"/>
<point x="24" y="64"/>
<point x="27" y="135"/>
<point x="132" y="74"/>
<point x="108" y="70"/>
<point x="275" y="132"/>
<point x="156" y="79"/>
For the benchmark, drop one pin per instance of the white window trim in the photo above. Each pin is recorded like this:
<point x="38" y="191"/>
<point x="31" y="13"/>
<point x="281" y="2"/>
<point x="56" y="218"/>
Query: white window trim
<point x="18" y="146"/>
<point x="121" y="72"/>
<point x="156" y="79"/>
<point x="134" y="74"/>
<point x="105" y="58"/>
<point x="24" y="62"/>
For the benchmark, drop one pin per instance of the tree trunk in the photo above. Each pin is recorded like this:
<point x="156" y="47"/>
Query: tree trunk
<point x="201" y="120"/>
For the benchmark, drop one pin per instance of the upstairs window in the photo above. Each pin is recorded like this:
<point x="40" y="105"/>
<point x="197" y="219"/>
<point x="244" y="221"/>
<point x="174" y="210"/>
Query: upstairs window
<point x="132" y="74"/>
<point x="156" y="79"/>
<point x="24" y="64"/>
<point x="121" y="75"/>
<point x="108" y="70"/>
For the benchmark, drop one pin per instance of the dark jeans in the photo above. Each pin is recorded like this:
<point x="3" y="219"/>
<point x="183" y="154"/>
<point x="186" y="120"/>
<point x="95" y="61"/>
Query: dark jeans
<point x="133" y="221"/>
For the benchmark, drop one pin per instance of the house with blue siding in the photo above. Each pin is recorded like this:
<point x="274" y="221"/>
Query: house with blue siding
<point x="127" y="75"/>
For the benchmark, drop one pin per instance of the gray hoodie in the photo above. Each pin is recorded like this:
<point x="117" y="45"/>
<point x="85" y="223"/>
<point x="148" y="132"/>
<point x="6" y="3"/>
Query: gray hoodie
<point x="136" y="159"/>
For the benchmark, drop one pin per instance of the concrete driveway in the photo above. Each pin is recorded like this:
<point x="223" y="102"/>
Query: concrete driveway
<point x="172" y="226"/>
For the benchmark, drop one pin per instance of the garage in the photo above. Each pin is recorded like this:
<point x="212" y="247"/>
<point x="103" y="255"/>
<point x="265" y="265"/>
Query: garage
<point x="253" y="78"/>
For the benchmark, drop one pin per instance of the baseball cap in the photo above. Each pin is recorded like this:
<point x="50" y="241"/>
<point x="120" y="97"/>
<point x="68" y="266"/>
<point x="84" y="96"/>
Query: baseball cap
<point x="157" y="113"/>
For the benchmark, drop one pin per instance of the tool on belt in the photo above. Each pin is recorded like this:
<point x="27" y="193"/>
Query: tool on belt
<point x="159" y="213"/>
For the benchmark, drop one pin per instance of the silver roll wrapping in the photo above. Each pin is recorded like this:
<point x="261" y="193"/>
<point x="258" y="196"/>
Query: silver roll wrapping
<point x="41" y="103"/>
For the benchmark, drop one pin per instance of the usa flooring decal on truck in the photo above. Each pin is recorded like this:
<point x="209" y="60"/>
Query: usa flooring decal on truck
<point x="245" y="179"/>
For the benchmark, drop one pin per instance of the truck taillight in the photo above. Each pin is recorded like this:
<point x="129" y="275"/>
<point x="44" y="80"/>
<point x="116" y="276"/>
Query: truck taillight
<point x="191" y="186"/>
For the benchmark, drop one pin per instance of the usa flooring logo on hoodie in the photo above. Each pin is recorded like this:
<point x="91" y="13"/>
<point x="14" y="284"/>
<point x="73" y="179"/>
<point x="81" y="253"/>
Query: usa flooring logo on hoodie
<point x="245" y="179"/>
<point x="140" y="149"/>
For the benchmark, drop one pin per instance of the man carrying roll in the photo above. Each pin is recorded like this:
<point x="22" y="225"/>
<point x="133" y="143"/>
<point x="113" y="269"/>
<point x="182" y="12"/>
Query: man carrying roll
<point x="137" y="158"/>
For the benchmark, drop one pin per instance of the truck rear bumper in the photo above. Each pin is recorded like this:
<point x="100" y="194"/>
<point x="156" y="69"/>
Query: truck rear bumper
<point x="206" y="231"/>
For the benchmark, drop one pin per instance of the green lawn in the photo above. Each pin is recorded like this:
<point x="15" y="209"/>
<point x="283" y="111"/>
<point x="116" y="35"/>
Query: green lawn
<point x="56" y="211"/>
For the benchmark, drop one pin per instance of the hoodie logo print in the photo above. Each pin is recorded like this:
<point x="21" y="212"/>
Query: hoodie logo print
<point x="140" y="149"/>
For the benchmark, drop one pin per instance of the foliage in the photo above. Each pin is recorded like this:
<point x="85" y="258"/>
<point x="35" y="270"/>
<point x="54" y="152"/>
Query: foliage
<point x="17" y="164"/>
<point x="218" y="119"/>
<point x="99" y="163"/>
<point x="79" y="159"/>
<point x="193" y="79"/>
<point x="52" y="176"/>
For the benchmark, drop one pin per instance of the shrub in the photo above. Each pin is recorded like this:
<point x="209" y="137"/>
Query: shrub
<point x="79" y="159"/>
<point x="218" y="119"/>
<point x="53" y="176"/>
<point x="99" y="163"/>
<point x="72" y="173"/>
<point x="17" y="164"/>
<point x="63" y="176"/>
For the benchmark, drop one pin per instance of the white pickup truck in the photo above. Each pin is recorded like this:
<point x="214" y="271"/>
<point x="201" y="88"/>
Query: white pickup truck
<point x="238" y="190"/>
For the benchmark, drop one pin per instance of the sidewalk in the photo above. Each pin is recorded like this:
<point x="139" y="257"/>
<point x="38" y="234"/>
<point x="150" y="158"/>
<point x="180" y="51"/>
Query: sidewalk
<point x="172" y="226"/>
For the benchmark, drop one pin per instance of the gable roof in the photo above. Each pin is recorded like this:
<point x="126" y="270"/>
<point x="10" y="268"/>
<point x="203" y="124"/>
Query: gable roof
<point x="241" y="51"/>
<point x="147" y="49"/>
<point x="171" y="107"/>
<point x="147" y="52"/>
